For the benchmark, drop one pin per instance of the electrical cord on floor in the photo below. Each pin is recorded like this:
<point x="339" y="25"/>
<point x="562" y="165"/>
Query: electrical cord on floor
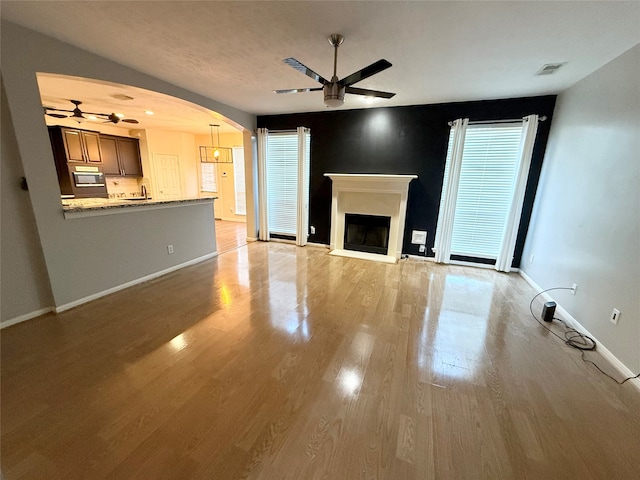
<point x="574" y="338"/>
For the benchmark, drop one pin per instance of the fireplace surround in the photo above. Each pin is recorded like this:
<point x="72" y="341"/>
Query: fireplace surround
<point x="370" y="195"/>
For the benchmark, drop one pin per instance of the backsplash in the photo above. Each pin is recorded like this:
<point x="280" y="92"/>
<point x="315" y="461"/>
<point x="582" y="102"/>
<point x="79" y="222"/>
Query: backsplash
<point x="123" y="187"/>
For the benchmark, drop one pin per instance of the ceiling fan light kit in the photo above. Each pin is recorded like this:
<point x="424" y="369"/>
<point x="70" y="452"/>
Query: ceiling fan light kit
<point x="333" y="95"/>
<point x="215" y="154"/>
<point x="334" y="90"/>
<point x="78" y="115"/>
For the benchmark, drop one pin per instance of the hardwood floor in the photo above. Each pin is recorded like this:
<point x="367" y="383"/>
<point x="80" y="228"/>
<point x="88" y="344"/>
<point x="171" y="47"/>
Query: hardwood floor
<point x="230" y="235"/>
<point x="278" y="362"/>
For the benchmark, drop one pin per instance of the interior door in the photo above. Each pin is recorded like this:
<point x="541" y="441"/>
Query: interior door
<point x="167" y="173"/>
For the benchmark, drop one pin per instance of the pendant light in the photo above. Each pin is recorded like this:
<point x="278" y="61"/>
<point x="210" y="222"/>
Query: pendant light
<point x="215" y="154"/>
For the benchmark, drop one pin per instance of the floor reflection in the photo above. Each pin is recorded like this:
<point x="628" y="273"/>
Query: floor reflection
<point x="287" y="291"/>
<point x="349" y="381"/>
<point x="178" y="342"/>
<point x="452" y="340"/>
<point x="355" y="361"/>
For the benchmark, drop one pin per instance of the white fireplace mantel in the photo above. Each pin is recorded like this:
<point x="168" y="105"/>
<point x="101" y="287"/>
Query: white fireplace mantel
<point x="369" y="194"/>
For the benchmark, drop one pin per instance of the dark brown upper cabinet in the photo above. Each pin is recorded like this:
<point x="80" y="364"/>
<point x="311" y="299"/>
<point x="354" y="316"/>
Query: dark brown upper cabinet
<point x="121" y="156"/>
<point x="79" y="145"/>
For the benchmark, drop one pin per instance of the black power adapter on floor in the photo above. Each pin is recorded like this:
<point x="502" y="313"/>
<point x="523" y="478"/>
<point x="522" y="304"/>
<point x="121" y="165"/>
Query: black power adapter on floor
<point x="548" y="311"/>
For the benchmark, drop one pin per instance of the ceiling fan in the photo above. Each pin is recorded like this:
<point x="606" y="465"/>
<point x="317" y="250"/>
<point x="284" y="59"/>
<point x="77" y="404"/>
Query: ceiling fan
<point x="335" y="89"/>
<point x="78" y="115"/>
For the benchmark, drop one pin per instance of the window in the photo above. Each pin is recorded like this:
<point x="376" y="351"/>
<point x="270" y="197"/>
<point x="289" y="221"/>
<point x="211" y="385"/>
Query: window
<point x="282" y="181"/>
<point x="209" y="177"/>
<point x="238" y="180"/>
<point x="489" y="165"/>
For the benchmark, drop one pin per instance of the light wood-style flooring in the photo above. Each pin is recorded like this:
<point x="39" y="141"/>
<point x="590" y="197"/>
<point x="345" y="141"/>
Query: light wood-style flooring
<point x="277" y="362"/>
<point x="230" y="235"/>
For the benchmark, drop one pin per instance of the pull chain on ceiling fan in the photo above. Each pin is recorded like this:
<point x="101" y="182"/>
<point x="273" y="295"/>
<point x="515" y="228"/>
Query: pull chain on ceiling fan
<point x="334" y="90"/>
<point x="79" y="116"/>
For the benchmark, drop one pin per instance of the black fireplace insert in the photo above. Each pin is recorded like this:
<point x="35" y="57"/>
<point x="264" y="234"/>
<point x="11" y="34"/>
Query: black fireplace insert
<point x="366" y="233"/>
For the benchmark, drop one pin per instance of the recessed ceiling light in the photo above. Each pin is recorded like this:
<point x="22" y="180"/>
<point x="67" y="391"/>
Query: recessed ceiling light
<point x="120" y="115"/>
<point x="148" y="112"/>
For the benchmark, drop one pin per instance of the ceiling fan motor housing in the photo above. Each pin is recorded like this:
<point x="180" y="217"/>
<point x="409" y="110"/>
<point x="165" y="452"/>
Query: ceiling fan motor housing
<point x="333" y="94"/>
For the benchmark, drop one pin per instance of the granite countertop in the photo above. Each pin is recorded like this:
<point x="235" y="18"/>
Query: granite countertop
<point x="87" y="205"/>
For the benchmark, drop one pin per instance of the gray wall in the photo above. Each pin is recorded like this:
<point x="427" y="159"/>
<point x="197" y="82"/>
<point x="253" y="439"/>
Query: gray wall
<point x="24" y="282"/>
<point x="585" y="226"/>
<point x="89" y="255"/>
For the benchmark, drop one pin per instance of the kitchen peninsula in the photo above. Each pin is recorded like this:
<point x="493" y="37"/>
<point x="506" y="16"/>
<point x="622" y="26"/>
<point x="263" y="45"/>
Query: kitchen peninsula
<point x="93" y="207"/>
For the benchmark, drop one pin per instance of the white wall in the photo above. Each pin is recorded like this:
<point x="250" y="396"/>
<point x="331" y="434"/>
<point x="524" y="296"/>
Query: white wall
<point x="89" y="255"/>
<point x="24" y="282"/>
<point x="585" y="226"/>
<point x="176" y="143"/>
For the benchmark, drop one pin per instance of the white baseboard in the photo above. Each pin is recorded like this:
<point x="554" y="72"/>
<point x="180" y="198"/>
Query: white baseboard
<point x="604" y="351"/>
<point x="487" y="266"/>
<point x="321" y="245"/>
<point x="25" y="317"/>
<point x="75" y="303"/>
<point x="282" y="240"/>
<point x="420" y="257"/>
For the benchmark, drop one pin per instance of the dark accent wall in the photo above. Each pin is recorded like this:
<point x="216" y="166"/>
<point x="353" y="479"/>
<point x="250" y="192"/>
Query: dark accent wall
<point x="404" y="140"/>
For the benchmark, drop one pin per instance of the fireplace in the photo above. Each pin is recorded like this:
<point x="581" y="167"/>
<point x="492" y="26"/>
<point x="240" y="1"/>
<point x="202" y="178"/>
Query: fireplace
<point x="366" y="233"/>
<point x="369" y="196"/>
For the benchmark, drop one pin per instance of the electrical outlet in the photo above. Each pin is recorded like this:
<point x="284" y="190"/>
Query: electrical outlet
<point x="531" y="258"/>
<point x="312" y="229"/>
<point x="615" y="316"/>
<point x="421" y="248"/>
<point x="574" y="287"/>
<point x="418" y="237"/>
<point x="169" y="249"/>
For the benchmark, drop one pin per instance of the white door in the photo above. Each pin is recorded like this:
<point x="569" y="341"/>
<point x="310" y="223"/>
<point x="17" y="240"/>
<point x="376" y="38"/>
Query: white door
<point x="167" y="170"/>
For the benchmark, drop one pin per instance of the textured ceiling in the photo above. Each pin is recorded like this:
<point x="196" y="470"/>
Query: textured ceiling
<point x="169" y="113"/>
<point x="441" y="51"/>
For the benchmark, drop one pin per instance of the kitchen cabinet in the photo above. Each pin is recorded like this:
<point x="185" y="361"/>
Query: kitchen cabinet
<point x="78" y="160"/>
<point x="121" y="156"/>
<point x="81" y="146"/>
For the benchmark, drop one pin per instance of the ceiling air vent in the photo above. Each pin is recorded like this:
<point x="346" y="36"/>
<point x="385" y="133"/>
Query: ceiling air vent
<point x="549" y="68"/>
<point x="121" y="96"/>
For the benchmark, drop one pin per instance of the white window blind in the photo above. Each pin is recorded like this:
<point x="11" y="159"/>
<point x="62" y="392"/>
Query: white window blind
<point x="487" y="180"/>
<point x="209" y="177"/>
<point x="282" y="181"/>
<point x="238" y="181"/>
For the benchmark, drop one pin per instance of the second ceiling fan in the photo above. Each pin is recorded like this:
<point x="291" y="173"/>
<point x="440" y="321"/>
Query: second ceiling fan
<point x="334" y="90"/>
<point x="79" y="115"/>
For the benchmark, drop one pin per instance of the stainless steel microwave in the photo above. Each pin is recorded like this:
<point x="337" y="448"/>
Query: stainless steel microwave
<point x="87" y="177"/>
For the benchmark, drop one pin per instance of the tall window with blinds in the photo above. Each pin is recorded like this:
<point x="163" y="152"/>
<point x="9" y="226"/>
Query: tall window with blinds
<point x="490" y="160"/>
<point x="209" y="177"/>
<point x="282" y="181"/>
<point x="238" y="181"/>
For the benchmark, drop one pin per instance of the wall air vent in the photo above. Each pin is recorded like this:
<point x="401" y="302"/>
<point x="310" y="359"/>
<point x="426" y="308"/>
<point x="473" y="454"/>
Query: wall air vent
<point x="549" y="68"/>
